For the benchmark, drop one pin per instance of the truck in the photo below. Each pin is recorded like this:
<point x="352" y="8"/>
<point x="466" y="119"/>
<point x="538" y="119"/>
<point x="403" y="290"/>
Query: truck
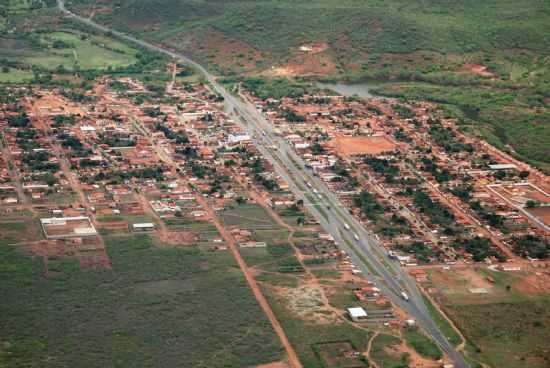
<point x="356" y="236"/>
<point x="404" y="296"/>
<point x="346" y="226"/>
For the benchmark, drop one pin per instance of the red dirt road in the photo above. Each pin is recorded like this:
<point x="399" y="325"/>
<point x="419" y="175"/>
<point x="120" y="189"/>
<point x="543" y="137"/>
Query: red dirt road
<point x="292" y="357"/>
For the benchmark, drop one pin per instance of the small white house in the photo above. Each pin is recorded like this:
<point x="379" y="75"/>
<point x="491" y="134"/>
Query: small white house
<point x="357" y="314"/>
<point x="143" y="227"/>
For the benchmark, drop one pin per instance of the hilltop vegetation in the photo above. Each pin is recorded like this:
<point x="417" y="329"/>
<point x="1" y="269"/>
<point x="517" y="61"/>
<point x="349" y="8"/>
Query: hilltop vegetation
<point x="397" y="26"/>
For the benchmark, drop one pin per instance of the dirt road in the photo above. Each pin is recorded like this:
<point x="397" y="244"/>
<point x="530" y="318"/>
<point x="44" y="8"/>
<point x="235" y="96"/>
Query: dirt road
<point x="14" y="173"/>
<point x="230" y="241"/>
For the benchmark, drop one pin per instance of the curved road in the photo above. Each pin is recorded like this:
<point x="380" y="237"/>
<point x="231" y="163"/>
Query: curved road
<point x="362" y="247"/>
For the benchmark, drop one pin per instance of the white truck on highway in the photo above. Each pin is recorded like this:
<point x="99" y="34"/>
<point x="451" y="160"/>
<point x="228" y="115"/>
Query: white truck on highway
<point x="404" y="296"/>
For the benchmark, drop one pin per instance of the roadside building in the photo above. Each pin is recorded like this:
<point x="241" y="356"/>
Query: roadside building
<point x="143" y="227"/>
<point x="357" y="314"/>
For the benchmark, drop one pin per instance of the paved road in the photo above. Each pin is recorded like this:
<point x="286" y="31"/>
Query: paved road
<point x="363" y="248"/>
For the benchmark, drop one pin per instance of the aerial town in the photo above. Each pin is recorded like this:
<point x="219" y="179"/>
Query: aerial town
<point x="274" y="184"/>
<point x="189" y="174"/>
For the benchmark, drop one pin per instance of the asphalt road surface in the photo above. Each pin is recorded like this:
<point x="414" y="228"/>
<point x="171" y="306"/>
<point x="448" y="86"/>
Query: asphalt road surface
<point x="362" y="246"/>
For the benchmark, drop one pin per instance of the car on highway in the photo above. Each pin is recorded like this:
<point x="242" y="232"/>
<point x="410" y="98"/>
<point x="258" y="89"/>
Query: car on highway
<point x="404" y="296"/>
<point x="346" y="226"/>
<point x="356" y="236"/>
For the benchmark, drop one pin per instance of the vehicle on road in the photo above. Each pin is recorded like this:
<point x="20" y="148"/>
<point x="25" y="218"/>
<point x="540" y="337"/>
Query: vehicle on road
<point x="356" y="236"/>
<point x="404" y="296"/>
<point x="346" y="226"/>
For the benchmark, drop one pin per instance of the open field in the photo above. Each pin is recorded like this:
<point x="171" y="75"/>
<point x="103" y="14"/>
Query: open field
<point x="156" y="306"/>
<point x="249" y="216"/>
<point x="542" y="213"/>
<point x="15" y="76"/>
<point x="19" y="229"/>
<point x="92" y="53"/>
<point x="362" y="145"/>
<point x="54" y="44"/>
<point x="381" y="354"/>
<point x="507" y="325"/>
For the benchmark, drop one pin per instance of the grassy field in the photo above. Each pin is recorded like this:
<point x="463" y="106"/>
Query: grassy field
<point x="53" y="43"/>
<point x="507" y="327"/>
<point x="422" y="344"/>
<point x="13" y="75"/>
<point x="157" y="307"/>
<point x="86" y="54"/>
<point x="249" y="216"/>
<point x="443" y="324"/>
<point x="19" y="227"/>
<point x="382" y="357"/>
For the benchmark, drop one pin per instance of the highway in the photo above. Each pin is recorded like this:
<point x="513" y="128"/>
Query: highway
<point x="362" y="247"/>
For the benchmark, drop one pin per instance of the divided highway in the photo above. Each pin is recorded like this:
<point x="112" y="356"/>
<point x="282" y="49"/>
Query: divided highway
<point x="363" y="248"/>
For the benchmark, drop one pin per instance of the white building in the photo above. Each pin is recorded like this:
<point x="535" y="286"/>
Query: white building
<point x="143" y="227"/>
<point x="357" y="314"/>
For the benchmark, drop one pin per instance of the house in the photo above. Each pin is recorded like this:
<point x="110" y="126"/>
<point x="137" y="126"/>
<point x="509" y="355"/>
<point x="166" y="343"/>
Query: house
<point x="238" y="138"/>
<point x="143" y="227"/>
<point x="357" y="314"/>
<point x="503" y="167"/>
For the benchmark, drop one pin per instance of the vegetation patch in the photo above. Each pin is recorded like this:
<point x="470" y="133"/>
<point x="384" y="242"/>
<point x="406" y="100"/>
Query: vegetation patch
<point x="383" y="357"/>
<point x="422" y="344"/>
<point x="155" y="305"/>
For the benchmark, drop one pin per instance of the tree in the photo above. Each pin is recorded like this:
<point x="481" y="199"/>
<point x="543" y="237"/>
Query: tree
<point x="59" y="44"/>
<point x="301" y="220"/>
<point x="317" y="149"/>
<point x="524" y="174"/>
<point x="499" y="175"/>
<point x="532" y="246"/>
<point x="19" y="121"/>
<point x="531" y="204"/>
